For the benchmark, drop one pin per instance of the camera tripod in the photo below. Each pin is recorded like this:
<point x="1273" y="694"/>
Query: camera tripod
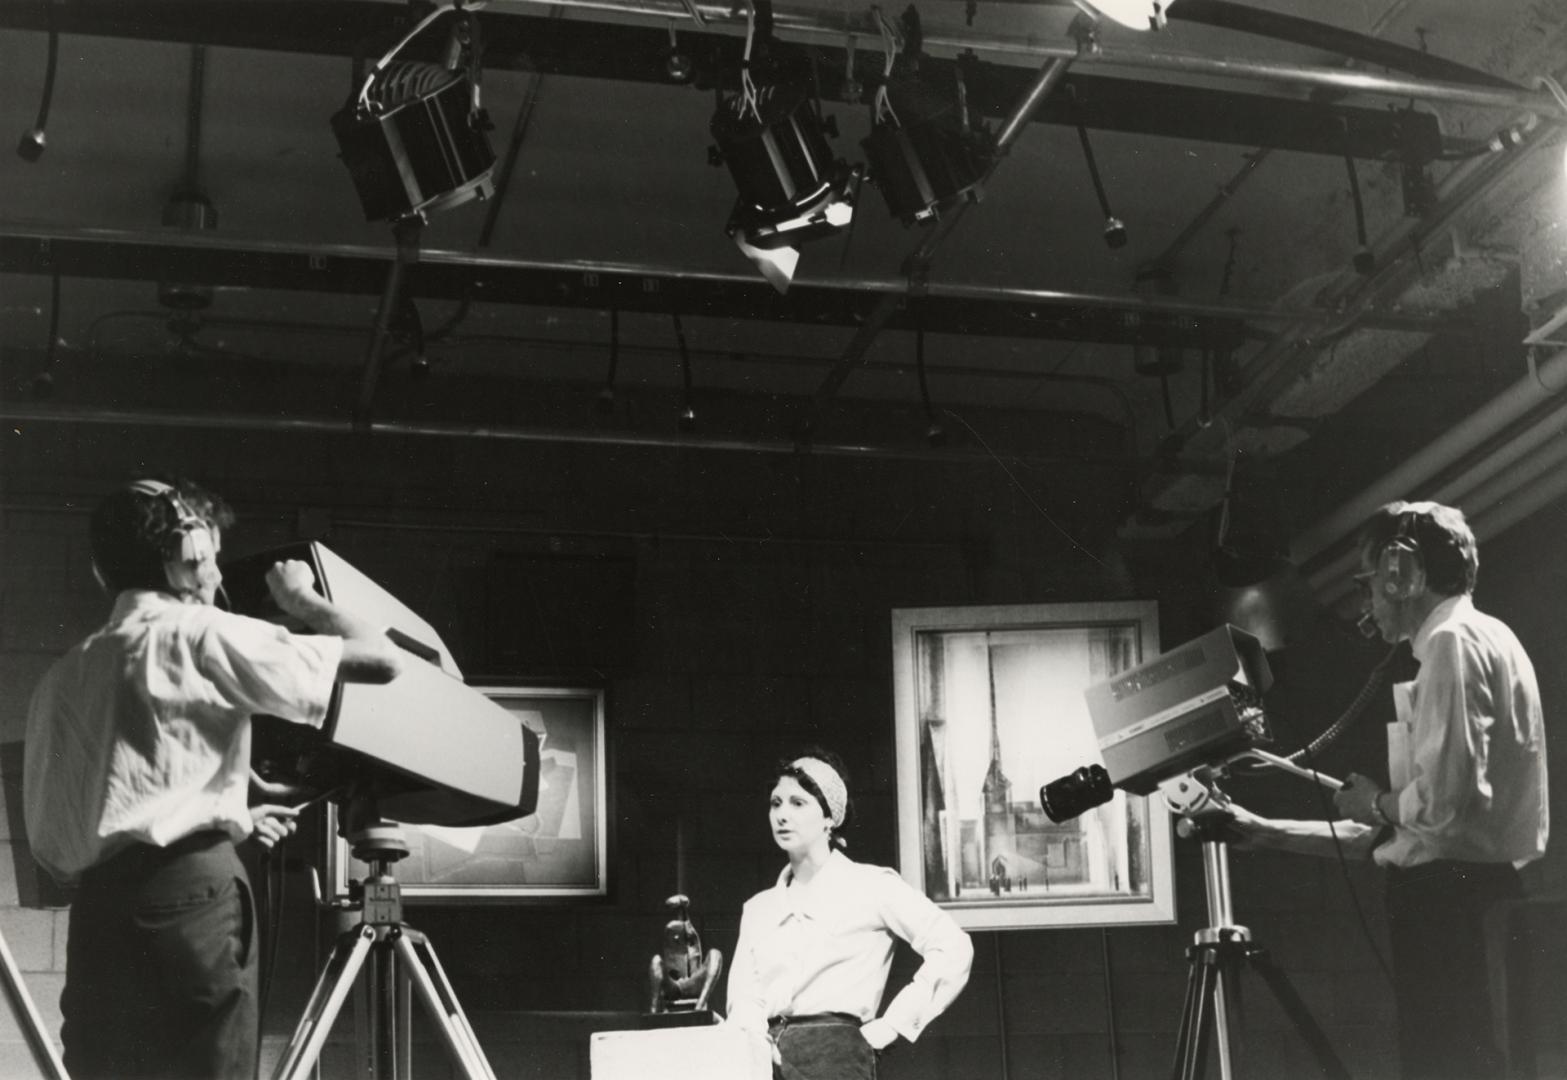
<point x="25" y="1014"/>
<point x="398" y="957"/>
<point x="1215" y="962"/>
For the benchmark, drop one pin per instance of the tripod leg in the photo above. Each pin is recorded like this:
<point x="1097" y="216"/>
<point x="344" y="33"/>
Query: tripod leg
<point x="1226" y="996"/>
<point x="381" y="1047"/>
<point x="428" y="978"/>
<point x="1191" y="1048"/>
<point x="1189" y="1013"/>
<point x="28" y="1019"/>
<point x="1295" y="1008"/>
<point x="337" y="978"/>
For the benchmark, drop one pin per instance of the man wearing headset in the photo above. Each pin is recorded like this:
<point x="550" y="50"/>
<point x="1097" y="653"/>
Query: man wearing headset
<point x="136" y="776"/>
<point x="1466" y="803"/>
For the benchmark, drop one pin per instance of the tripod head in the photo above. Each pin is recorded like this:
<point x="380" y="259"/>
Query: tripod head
<point x="1204" y="814"/>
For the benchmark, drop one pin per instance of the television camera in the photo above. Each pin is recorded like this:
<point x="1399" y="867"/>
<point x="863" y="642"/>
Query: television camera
<point x="1174" y="724"/>
<point x="1171" y="723"/>
<point x="424" y="749"/>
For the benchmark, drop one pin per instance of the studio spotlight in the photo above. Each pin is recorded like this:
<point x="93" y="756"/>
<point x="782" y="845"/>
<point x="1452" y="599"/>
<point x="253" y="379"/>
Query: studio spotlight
<point x="923" y="154"/>
<point x="415" y="138"/>
<point x="773" y="138"/>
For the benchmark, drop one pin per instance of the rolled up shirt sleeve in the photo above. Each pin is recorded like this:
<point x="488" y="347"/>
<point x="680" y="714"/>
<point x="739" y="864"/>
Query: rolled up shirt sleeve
<point x="945" y="950"/>
<point x="263" y="668"/>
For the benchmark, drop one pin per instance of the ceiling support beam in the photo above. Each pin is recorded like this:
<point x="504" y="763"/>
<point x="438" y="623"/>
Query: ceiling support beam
<point x="1274" y="73"/>
<point x="1283" y="359"/>
<point x="1330" y="576"/>
<point x="942" y="307"/>
<point x="21" y="413"/>
<point x="637" y="53"/>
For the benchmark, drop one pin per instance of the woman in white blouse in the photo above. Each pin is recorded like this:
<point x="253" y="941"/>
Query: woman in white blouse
<point x="811" y="964"/>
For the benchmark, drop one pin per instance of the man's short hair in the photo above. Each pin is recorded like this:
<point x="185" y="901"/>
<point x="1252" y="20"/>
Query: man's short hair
<point x="130" y="531"/>
<point x="1440" y="533"/>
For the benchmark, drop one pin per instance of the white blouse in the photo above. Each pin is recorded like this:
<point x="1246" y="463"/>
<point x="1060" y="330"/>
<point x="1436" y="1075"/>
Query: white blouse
<point x="827" y="947"/>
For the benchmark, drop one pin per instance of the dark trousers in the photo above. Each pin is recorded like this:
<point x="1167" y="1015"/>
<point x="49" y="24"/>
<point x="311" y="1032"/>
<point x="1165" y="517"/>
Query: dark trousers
<point x="827" y="1046"/>
<point x="160" y="978"/>
<point x="1440" y="975"/>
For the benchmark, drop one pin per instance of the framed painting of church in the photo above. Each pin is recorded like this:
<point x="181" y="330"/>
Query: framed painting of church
<point x="989" y="707"/>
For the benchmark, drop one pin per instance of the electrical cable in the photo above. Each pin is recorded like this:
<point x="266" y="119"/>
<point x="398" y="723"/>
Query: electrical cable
<point x="1028" y="495"/>
<point x="381" y="64"/>
<point x="882" y="111"/>
<point x="1329" y="815"/>
<point x="606" y="396"/>
<point x="687" y="413"/>
<point x="1554" y="88"/>
<point x="934" y="433"/>
<point x="1364" y="261"/>
<point x="1093" y="170"/>
<point x="31" y="146"/>
<point x="44" y="380"/>
<point x="274" y="885"/>
<point x="748" y="99"/>
<point x="1352" y="712"/>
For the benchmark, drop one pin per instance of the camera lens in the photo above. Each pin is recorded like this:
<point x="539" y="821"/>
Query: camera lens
<point x="1077" y="791"/>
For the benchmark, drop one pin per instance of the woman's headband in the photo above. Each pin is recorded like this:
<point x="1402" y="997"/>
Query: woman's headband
<point x="831" y="785"/>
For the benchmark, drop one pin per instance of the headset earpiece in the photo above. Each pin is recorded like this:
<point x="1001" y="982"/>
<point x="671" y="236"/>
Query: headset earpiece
<point x="188" y="545"/>
<point x="1402" y="570"/>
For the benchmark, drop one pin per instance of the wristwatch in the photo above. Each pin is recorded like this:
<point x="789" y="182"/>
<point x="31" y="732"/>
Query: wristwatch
<point x="1378" y="812"/>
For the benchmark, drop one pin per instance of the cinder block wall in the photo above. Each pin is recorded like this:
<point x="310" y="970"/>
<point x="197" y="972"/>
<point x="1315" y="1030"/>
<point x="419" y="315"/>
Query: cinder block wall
<point x="761" y="588"/>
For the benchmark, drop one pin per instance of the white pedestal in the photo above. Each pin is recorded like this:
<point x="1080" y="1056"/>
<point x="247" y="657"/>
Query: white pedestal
<point x="719" y="1052"/>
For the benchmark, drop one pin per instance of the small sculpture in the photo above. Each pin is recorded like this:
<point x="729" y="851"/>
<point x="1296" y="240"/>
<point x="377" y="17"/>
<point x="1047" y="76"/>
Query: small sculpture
<point x="681" y="976"/>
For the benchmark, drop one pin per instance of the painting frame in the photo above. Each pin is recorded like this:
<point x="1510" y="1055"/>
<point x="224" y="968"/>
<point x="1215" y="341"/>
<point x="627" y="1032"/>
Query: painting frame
<point x="992" y="870"/>
<point x="560" y="852"/>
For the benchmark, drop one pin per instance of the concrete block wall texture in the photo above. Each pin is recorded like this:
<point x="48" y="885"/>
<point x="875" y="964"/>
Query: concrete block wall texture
<point x="759" y="620"/>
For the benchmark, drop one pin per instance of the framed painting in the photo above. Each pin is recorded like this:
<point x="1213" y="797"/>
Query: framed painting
<point x="989" y="707"/>
<point x="558" y="851"/>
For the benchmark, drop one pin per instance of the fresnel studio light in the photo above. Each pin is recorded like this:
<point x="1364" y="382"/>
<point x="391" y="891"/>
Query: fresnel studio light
<point x="924" y="154"/>
<point x="415" y="136"/>
<point x="771" y="134"/>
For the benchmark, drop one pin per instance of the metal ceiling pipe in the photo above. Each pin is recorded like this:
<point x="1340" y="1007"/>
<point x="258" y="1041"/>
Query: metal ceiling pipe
<point x="832" y="28"/>
<point x="1282" y="360"/>
<point x="1463" y="438"/>
<point x="25" y="413"/>
<point x="40" y="236"/>
<point x="1506" y="478"/>
<point x="918" y="263"/>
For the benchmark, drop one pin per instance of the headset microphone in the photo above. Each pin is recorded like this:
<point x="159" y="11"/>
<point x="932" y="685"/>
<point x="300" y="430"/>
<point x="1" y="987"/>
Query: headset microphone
<point x="188" y="547"/>
<point x="1402" y="570"/>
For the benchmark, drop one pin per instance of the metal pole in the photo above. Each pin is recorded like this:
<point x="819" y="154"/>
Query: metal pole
<point x="330" y="254"/>
<point x="918" y="263"/>
<point x="832" y="28"/>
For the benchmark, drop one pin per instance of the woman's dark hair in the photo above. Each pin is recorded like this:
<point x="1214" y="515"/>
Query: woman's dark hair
<point x="786" y="767"/>
<point x="130" y="531"/>
<point x="1446" y="543"/>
